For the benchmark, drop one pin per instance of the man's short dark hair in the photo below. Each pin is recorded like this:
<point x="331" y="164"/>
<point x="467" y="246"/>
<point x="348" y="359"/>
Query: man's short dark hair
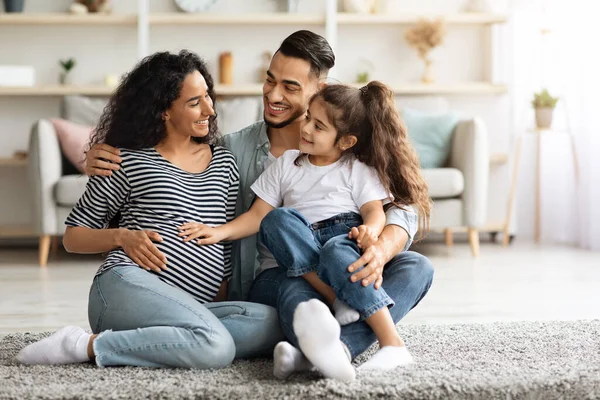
<point x="310" y="47"/>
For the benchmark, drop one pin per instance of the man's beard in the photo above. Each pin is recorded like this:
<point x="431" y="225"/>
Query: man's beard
<point x="285" y="123"/>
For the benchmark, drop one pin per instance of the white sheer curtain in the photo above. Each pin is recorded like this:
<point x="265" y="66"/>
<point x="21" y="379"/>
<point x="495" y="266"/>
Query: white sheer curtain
<point x="566" y="60"/>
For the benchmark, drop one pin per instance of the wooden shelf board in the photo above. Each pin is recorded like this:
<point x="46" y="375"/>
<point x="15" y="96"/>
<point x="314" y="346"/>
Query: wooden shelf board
<point x="57" y="90"/>
<point x="401" y="89"/>
<point x="442" y="88"/>
<point x="255" y="89"/>
<point x="15" y="231"/>
<point x="67" y="19"/>
<point x="225" y="19"/>
<point x="13" y="161"/>
<point x="454" y="19"/>
<point x="175" y="18"/>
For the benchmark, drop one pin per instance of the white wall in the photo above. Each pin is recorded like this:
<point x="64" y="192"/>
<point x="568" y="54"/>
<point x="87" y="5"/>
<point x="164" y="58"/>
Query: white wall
<point x="102" y="50"/>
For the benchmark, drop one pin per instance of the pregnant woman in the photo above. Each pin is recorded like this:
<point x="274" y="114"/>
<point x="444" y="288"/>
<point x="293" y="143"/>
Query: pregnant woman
<point x="162" y="119"/>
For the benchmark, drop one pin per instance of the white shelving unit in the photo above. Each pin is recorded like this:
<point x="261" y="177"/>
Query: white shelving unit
<point x="332" y="20"/>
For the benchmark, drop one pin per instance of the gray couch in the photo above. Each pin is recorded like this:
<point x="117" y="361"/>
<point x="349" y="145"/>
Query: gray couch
<point x="459" y="191"/>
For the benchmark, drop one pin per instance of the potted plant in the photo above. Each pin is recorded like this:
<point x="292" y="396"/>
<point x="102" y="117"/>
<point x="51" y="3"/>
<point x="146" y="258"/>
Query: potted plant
<point x="543" y="103"/>
<point x="67" y="65"/>
<point x="425" y="36"/>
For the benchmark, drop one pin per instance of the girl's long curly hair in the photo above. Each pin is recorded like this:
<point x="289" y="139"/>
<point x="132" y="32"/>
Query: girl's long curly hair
<point x="132" y="118"/>
<point x="370" y="114"/>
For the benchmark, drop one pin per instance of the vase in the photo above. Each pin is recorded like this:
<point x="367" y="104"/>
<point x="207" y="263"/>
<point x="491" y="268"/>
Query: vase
<point x="359" y="6"/>
<point x="226" y="68"/>
<point x="64" y="78"/>
<point x="428" y="73"/>
<point x="14" y="6"/>
<point x="478" y="6"/>
<point x="543" y="117"/>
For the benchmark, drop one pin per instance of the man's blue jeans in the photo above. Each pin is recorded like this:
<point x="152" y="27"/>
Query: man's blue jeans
<point x="406" y="278"/>
<point x="323" y="247"/>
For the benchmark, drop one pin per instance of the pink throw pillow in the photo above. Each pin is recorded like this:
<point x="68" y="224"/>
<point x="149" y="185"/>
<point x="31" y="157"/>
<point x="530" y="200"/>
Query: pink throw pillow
<point x="73" y="139"/>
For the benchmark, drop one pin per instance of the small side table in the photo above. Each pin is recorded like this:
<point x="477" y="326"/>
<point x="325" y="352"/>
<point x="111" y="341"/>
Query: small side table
<point x="511" y="200"/>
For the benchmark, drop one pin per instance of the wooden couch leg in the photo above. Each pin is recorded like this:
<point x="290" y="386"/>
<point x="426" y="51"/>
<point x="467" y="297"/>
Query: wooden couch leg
<point x="449" y="239"/>
<point x="474" y="241"/>
<point x="44" y="249"/>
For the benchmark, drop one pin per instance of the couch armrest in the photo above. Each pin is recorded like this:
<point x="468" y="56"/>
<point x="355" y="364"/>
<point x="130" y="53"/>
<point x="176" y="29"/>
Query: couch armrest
<point x="470" y="154"/>
<point x="45" y="169"/>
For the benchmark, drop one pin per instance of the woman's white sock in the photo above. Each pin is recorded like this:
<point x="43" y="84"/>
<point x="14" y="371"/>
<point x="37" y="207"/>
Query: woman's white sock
<point x="67" y="346"/>
<point x="319" y="339"/>
<point x="287" y="359"/>
<point x="388" y="357"/>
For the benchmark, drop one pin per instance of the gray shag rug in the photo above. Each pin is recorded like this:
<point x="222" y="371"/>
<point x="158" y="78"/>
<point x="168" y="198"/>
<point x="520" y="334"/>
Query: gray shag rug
<point x="517" y="360"/>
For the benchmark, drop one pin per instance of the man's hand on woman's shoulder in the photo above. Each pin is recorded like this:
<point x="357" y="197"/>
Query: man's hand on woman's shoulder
<point x="101" y="160"/>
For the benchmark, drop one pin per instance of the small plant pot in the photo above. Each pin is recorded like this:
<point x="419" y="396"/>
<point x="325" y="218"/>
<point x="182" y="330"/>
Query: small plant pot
<point x="543" y="117"/>
<point x="64" y="78"/>
<point x="14" y="6"/>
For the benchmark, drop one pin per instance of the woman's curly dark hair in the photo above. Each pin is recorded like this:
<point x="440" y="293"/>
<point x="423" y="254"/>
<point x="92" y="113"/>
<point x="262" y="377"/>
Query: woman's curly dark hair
<point x="132" y="118"/>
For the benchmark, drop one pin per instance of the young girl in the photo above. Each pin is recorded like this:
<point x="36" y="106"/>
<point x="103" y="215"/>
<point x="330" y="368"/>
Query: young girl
<point x="349" y="163"/>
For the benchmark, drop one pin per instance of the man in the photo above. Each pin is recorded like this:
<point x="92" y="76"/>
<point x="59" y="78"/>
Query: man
<point x="297" y="71"/>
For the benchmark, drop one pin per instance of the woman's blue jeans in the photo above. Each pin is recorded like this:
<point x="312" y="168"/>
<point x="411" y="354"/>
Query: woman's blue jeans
<point x="323" y="247"/>
<point x="143" y="321"/>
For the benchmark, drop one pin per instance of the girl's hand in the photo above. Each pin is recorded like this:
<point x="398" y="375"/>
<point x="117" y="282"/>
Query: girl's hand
<point x="194" y="230"/>
<point x="139" y="246"/>
<point x="364" y="235"/>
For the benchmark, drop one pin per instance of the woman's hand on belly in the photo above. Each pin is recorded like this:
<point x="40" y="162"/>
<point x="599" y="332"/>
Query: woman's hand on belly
<point x="194" y="230"/>
<point x="139" y="246"/>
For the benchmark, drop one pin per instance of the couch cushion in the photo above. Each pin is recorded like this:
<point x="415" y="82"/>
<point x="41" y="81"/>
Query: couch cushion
<point x="83" y="110"/>
<point x="444" y="182"/>
<point x="69" y="189"/>
<point x="431" y="134"/>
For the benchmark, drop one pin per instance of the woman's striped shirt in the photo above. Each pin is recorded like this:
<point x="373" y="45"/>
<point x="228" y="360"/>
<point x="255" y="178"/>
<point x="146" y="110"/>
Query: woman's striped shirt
<point x="153" y="194"/>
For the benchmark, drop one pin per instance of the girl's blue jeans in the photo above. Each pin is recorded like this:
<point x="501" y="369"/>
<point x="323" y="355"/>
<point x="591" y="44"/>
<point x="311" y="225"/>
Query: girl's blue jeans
<point x="323" y="247"/>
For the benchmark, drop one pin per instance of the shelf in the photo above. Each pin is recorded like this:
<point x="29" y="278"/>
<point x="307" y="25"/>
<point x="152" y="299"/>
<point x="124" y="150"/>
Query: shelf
<point x="453" y="19"/>
<point x="175" y="18"/>
<point x="402" y="89"/>
<point x="231" y="19"/>
<point x="255" y="89"/>
<point x="16" y="231"/>
<point x="248" y="89"/>
<point x="57" y="90"/>
<point x="100" y="90"/>
<point x="466" y="88"/>
<point x="12" y="162"/>
<point x="67" y="19"/>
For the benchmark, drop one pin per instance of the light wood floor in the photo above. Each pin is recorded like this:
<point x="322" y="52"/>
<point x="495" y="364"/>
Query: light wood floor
<point x="522" y="282"/>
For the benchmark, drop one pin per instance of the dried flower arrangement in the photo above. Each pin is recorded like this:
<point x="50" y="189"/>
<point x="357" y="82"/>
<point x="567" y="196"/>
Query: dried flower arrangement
<point x="424" y="36"/>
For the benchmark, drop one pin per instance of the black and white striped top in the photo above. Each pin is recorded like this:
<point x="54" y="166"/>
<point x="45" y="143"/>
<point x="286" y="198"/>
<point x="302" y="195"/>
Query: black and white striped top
<point x="153" y="194"/>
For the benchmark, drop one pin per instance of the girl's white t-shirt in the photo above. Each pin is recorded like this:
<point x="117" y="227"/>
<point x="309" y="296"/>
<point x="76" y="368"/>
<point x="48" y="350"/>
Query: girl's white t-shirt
<point x="319" y="193"/>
